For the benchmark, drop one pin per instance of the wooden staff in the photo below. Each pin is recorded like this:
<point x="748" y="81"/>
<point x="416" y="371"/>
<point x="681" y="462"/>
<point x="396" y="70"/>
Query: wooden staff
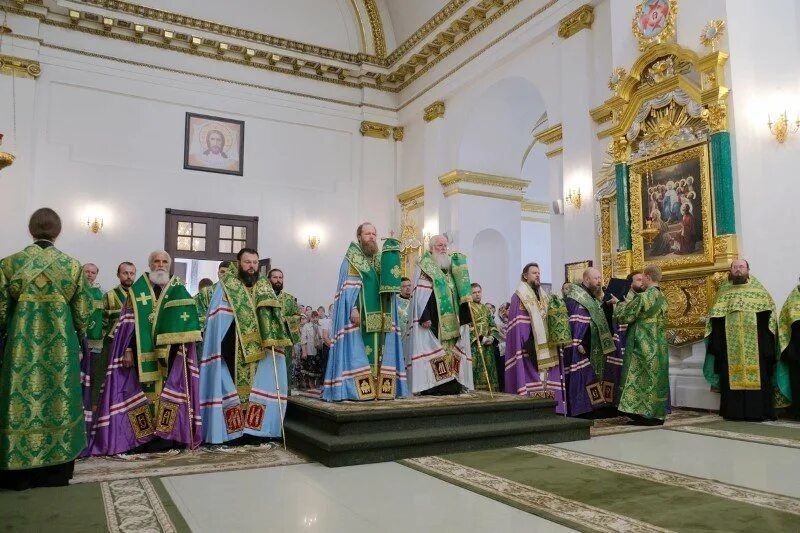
<point x="480" y="349"/>
<point x="278" y="388"/>
<point x="189" y="411"/>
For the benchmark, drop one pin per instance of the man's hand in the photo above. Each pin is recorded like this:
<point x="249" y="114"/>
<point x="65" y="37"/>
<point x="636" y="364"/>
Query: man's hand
<point x="581" y="349"/>
<point x="613" y="300"/>
<point x="487" y="340"/>
<point x="355" y="317"/>
<point x="127" y="359"/>
<point x="426" y="324"/>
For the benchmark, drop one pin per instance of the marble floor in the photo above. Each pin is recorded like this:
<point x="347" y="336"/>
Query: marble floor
<point x="385" y="497"/>
<point x="389" y="497"/>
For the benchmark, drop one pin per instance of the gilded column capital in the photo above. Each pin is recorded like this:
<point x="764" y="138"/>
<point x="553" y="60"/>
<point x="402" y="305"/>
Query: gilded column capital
<point x="19" y="67"/>
<point x="581" y="18"/>
<point x="397" y="133"/>
<point x="620" y="150"/>
<point x="717" y="117"/>
<point x="375" y="129"/>
<point x="434" y="111"/>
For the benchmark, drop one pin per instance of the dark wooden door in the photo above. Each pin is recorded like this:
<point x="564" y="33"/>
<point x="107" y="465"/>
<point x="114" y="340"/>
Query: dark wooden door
<point x="210" y="236"/>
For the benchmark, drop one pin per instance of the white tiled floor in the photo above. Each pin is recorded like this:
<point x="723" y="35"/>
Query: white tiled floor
<point x="391" y="498"/>
<point x="385" y="497"/>
<point x="752" y="465"/>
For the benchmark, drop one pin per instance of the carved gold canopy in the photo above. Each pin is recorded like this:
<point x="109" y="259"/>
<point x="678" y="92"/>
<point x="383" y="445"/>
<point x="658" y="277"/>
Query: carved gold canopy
<point x="663" y="111"/>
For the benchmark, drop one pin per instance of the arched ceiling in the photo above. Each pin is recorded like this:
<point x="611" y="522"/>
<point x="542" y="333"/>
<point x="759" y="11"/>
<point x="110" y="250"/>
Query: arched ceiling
<point x="407" y="16"/>
<point x="329" y="23"/>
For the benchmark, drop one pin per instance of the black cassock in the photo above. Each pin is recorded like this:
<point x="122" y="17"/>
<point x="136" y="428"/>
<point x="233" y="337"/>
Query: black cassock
<point x="792" y="356"/>
<point x="753" y="405"/>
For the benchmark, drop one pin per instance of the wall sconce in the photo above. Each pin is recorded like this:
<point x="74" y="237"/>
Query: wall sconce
<point x="574" y="198"/>
<point x="781" y="128"/>
<point x="313" y="241"/>
<point x="95" y="224"/>
<point x="6" y="158"/>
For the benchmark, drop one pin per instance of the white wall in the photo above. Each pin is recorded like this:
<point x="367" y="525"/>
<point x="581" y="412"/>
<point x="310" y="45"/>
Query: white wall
<point x="536" y="248"/>
<point x="107" y="138"/>
<point x="765" y="80"/>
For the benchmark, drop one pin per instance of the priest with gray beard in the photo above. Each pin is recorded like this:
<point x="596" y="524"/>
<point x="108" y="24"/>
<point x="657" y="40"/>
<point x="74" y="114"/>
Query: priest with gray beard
<point x="438" y="351"/>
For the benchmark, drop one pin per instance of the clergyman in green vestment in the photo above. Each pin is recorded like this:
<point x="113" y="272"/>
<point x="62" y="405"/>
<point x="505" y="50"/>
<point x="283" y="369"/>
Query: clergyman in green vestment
<point x="645" y="371"/>
<point x="94" y="332"/>
<point x="290" y="314"/>
<point x="484" y="344"/>
<point x="789" y="340"/>
<point x="45" y="308"/>
<point x="742" y="348"/>
<point x="113" y="301"/>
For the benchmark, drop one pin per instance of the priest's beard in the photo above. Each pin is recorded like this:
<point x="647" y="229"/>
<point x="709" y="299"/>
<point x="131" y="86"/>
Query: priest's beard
<point x="638" y="289"/>
<point x="596" y="292"/>
<point x="277" y="287"/>
<point x="443" y="260"/>
<point x="159" y="277"/>
<point x="739" y="279"/>
<point x="248" y="278"/>
<point x="369" y="248"/>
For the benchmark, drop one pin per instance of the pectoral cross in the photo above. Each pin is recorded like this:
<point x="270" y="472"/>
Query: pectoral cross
<point x="143" y="298"/>
<point x="185" y="316"/>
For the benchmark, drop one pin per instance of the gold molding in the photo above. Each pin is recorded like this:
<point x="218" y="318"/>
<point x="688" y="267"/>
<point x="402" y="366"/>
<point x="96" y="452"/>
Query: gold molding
<point x="212" y="78"/>
<point x="159" y="15"/>
<point x="605" y="239"/>
<point x="434" y="22"/>
<point x="378" y="37"/>
<point x="375" y="129"/>
<point x="411" y="194"/>
<point x="462" y="30"/>
<point x="550" y="135"/>
<point x="554" y="152"/>
<point x="465" y="176"/>
<point x="535" y="207"/>
<point x="485" y="194"/>
<point x="433" y="111"/>
<point x="19" y="67"/>
<point x="412" y="198"/>
<point x="580" y="19"/>
<point x="535" y="219"/>
<point x="472" y="57"/>
<point x="622" y="107"/>
<point x="398" y="132"/>
<point x="637" y="174"/>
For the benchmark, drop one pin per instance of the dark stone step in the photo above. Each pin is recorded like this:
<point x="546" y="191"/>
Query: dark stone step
<point x="357" y="433"/>
<point x="369" y="417"/>
<point x="349" y="450"/>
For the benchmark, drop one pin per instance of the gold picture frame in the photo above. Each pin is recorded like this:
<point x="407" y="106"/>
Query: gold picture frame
<point x="573" y="272"/>
<point x="669" y="238"/>
<point x="654" y="21"/>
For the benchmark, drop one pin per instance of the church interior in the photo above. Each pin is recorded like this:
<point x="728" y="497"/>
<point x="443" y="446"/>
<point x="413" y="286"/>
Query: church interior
<point x="614" y="135"/>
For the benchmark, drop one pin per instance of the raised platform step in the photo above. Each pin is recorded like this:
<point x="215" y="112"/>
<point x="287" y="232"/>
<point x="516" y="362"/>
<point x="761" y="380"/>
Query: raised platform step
<point x="349" y="433"/>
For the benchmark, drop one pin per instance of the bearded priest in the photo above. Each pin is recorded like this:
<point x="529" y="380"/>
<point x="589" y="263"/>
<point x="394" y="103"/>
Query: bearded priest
<point x="366" y="358"/>
<point x="150" y="396"/>
<point x="438" y="350"/>
<point x="243" y="369"/>
<point x="532" y="364"/>
<point x="742" y="349"/>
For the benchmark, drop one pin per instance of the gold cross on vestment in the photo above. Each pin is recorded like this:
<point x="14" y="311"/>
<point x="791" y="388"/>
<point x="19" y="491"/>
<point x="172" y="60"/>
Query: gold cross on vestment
<point x="143" y="298"/>
<point x="185" y="316"/>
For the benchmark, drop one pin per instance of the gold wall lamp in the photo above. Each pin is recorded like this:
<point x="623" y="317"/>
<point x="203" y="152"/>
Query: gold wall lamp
<point x="782" y="128"/>
<point x="314" y="241"/>
<point x="94" y="223"/>
<point x="574" y="198"/>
